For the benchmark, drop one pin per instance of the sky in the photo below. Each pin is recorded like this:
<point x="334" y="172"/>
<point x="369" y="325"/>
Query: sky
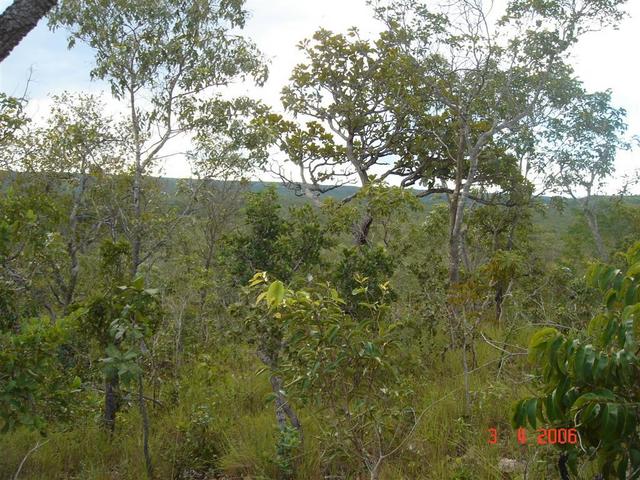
<point x="606" y="59"/>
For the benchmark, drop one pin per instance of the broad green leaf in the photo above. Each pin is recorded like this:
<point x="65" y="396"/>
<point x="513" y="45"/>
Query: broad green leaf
<point x="532" y="407"/>
<point x="275" y="293"/>
<point x="539" y="341"/>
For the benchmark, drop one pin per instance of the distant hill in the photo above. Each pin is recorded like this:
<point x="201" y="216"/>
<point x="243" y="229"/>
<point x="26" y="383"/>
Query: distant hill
<point x="289" y="196"/>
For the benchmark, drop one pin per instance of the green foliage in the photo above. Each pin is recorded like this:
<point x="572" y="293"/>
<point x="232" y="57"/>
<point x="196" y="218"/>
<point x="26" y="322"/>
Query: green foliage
<point x="34" y="386"/>
<point x="154" y="45"/>
<point x="283" y="247"/>
<point x="588" y="381"/>
<point x="199" y="446"/>
<point x="368" y="349"/>
<point x="114" y="257"/>
<point x="12" y="119"/>
<point x="287" y="445"/>
<point x="121" y="320"/>
<point x="359" y="276"/>
<point x="344" y="365"/>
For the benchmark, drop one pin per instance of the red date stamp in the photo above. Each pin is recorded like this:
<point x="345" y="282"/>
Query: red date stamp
<point x="543" y="436"/>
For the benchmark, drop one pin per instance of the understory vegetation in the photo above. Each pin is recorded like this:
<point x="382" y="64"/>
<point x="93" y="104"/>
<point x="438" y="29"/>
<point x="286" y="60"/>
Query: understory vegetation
<point x="480" y="283"/>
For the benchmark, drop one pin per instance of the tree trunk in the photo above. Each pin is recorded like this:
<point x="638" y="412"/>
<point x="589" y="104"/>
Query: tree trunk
<point x="466" y="374"/>
<point x="283" y="408"/>
<point x="456" y="210"/>
<point x="282" y="405"/>
<point x="72" y="244"/>
<point x="361" y="230"/>
<point x="562" y="466"/>
<point x="592" y="221"/>
<point x="374" y="473"/>
<point x="136" y="240"/>
<point x="136" y="230"/>
<point x="111" y="402"/>
<point x="498" y="299"/>
<point x="145" y="428"/>
<point x="18" y="20"/>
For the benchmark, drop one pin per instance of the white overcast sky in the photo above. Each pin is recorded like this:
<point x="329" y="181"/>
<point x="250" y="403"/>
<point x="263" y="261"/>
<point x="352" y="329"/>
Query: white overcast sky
<point x="608" y="59"/>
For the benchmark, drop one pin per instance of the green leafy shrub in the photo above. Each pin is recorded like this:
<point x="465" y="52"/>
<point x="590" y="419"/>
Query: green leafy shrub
<point x="34" y="386"/>
<point x="589" y="381"/>
<point x="345" y="366"/>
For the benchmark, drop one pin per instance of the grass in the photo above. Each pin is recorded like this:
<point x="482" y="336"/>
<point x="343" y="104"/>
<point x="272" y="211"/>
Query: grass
<point x="221" y="426"/>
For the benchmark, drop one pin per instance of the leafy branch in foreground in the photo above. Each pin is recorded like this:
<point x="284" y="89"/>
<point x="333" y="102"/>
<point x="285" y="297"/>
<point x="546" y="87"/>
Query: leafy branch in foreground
<point x="589" y="381"/>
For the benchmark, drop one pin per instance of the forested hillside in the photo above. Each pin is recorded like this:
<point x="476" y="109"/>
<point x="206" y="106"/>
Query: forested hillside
<point x="443" y="282"/>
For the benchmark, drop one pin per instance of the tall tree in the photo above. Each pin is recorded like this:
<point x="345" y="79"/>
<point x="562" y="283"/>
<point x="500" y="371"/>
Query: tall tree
<point x="159" y="59"/>
<point x="352" y="92"/>
<point x="580" y="147"/>
<point x="487" y="80"/>
<point x="69" y="157"/>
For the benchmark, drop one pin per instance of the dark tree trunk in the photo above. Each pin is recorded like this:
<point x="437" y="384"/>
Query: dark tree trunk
<point x="499" y="299"/>
<point x="145" y="428"/>
<point x="562" y="466"/>
<point x="111" y="402"/>
<point x="361" y="230"/>
<point x="18" y="20"/>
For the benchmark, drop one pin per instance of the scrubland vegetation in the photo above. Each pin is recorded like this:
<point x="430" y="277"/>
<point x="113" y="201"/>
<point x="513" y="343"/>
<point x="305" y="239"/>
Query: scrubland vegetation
<point x="480" y="283"/>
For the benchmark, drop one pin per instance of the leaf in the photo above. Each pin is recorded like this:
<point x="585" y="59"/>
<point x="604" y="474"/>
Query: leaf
<point x="622" y="467"/>
<point x="333" y="332"/>
<point x="578" y="364"/>
<point x="631" y="295"/>
<point x="589" y="361"/>
<point x="532" y="407"/>
<point x="258" y="278"/>
<point x="610" y="418"/>
<point x="598" y="396"/>
<point x="275" y="293"/>
<point x="539" y="341"/>
<point x="601" y="365"/>
<point x="634" y="455"/>
<point x="113" y="351"/>
<point x="633" y="270"/>
<point x="261" y="297"/>
<point x="519" y="414"/>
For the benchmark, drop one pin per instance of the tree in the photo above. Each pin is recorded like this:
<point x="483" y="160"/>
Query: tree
<point x="121" y="320"/>
<point x="353" y="91"/>
<point x="12" y="119"/>
<point x="286" y="248"/>
<point x="157" y="58"/>
<point x="69" y="157"/>
<point x="582" y="143"/>
<point x="343" y="363"/>
<point x="18" y="20"/>
<point x="483" y="83"/>
<point x="34" y="386"/>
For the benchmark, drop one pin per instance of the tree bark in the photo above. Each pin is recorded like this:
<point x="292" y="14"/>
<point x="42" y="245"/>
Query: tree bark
<point x="18" y="20"/>
<point x="111" y="402"/>
<point x="283" y="407"/>
<point x="145" y="428"/>
<point x="72" y="243"/>
<point x="456" y="210"/>
<point x="562" y="466"/>
<point x="592" y="221"/>
<point x="361" y="230"/>
<point x="136" y="233"/>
